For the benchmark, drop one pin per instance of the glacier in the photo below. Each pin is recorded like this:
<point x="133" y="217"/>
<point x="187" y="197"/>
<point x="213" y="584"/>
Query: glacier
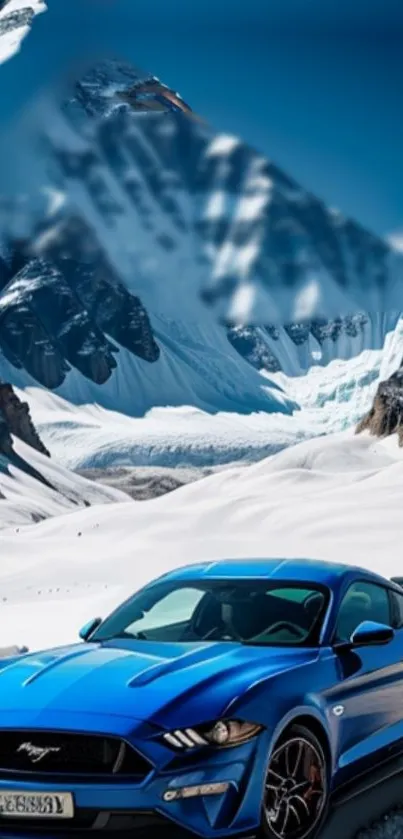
<point x="332" y="399"/>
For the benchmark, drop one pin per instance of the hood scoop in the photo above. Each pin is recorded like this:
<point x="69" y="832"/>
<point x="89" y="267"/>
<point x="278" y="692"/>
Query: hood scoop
<point x="190" y="658"/>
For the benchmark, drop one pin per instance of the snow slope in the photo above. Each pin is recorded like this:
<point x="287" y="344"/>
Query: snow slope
<point x="46" y="490"/>
<point x="330" y="497"/>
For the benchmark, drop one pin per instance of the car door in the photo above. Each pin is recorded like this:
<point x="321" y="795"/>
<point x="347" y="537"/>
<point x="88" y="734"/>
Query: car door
<point x="366" y="703"/>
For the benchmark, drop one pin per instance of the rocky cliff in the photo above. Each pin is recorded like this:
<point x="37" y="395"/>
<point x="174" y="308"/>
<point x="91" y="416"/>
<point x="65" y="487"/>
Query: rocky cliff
<point x="15" y="420"/>
<point x="386" y="414"/>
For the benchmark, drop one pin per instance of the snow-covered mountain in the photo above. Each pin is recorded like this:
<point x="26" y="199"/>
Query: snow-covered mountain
<point x="146" y="228"/>
<point x="16" y="17"/>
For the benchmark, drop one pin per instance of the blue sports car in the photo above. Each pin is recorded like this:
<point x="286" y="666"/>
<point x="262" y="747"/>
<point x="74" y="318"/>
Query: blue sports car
<point x="232" y="698"/>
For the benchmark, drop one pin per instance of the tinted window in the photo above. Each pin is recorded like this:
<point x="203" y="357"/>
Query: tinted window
<point x="247" y="611"/>
<point x="397" y="610"/>
<point x="363" y="602"/>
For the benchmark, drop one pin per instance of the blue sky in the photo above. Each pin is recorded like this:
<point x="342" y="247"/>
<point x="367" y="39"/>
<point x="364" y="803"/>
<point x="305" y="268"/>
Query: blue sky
<point x="317" y="86"/>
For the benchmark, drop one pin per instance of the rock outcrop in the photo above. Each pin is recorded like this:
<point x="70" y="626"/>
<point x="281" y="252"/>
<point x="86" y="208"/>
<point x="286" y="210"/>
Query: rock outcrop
<point x="15" y="420"/>
<point x="386" y="414"/>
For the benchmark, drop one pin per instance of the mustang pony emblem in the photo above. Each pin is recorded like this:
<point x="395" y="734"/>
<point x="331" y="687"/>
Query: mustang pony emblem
<point x="37" y="753"/>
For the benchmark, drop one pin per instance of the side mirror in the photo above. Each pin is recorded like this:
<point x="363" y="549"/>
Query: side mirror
<point x="90" y="627"/>
<point x="372" y="634"/>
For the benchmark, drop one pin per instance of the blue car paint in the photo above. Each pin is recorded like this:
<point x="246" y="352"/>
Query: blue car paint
<point x="137" y="690"/>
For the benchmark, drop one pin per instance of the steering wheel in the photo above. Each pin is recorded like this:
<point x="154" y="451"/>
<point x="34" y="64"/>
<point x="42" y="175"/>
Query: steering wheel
<point x="287" y="625"/>
<point x="222" y="633"/>
<point x="230" y="634"/>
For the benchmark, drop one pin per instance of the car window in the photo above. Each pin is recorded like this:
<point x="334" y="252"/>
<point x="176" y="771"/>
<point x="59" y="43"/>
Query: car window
<point x="246" y="611"/>
<point x="397" y="610"/>
<point x="177" y="607"/>
<point x="299" y="595"/>
<point x="363" y="602"/>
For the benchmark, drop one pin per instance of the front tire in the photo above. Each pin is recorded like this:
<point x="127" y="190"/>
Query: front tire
<point x="296" y="787"/>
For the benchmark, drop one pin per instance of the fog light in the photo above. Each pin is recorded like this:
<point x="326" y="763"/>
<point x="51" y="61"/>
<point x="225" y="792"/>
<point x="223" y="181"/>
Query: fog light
<point x="195" y="792"/>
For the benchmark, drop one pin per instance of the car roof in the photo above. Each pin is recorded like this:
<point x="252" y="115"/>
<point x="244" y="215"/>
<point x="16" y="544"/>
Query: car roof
<point x="331" y="574"/>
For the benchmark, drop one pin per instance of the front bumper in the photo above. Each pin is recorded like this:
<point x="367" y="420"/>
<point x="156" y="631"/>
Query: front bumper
<point x="119" y="806"/>
<point x="108" y="824"/>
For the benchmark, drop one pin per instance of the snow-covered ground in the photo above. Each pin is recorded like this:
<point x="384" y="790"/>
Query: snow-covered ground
<point x="50" y="490"/>
<point x="326" y="492"/>
<point x="339" y="496"/>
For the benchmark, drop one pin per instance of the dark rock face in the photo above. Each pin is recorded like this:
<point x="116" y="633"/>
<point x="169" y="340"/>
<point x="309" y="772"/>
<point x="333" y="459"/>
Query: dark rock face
<point x="78" y="256"/>
<point x="145" y="482"/>
<point x="6" y="443"/>
<point x="15" y="420"/>
<point x="16" y="19"/>
<point x="57" y="310"/>
<point x="386" y="414"/>
<point x="139" y="484"/>
<point x="249" y="343"/>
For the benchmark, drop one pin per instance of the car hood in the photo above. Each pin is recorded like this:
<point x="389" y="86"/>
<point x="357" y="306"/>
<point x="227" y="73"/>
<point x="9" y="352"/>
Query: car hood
<point x="141" y="680"/>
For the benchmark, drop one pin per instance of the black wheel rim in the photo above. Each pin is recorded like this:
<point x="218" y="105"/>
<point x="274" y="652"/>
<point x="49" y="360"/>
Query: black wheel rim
<point x="295" y="793"/>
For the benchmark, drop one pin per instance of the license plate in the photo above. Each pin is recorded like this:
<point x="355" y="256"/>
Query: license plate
<point x="36" y="805"/>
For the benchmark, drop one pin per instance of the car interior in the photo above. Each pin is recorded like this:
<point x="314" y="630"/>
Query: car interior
<point x="266" y="617"/>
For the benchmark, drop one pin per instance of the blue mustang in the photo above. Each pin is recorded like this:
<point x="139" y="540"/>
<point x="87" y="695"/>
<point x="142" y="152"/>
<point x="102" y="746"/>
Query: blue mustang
<point x="225" y="699"/>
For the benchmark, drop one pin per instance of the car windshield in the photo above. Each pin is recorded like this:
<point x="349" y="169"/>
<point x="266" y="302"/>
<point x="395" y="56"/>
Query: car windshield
<point x="247" y="612"/>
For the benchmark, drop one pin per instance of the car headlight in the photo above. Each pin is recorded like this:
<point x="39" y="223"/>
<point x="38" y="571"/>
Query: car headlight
<point x="223" y="734"/>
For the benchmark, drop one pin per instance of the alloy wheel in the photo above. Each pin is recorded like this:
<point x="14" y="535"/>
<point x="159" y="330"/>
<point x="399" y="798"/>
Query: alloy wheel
<point x="296" y="789"/>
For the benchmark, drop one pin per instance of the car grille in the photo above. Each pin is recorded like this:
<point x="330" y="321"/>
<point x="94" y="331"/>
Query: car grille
<point x="56" y="753"/>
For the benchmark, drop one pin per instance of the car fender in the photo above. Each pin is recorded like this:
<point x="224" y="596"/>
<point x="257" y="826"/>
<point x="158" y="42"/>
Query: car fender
<point x="252" y="706"/>
<point x="298" y="713"/>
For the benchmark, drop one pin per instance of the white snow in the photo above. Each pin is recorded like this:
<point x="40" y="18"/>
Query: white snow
<point x="25" y="499"/>
<point x="307" y="299"/>
<point x="251" y="207"/>
<point x="332" y="399"/>
<point x="10" y="42"/>
<point x="223" y="145"/>
<point x="215" y="205"/>
<point x="332" y="498"/>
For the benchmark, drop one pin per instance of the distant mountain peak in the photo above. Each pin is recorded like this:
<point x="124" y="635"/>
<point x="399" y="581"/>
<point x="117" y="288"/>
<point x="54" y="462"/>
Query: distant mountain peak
<point x="165" y="273"/>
